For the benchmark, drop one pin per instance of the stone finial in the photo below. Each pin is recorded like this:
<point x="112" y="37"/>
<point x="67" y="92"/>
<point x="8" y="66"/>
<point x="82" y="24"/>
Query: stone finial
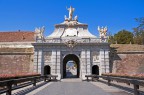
<point x="65" y="17"/>
<point x="76" y="18"/>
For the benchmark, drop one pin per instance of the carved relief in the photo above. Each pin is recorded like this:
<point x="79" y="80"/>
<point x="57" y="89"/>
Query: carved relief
<point x="47" y="56"/>
<point x="95" y="56"/>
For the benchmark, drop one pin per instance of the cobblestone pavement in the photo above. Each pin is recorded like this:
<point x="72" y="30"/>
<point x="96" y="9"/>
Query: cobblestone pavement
<point x="79" y="88"/>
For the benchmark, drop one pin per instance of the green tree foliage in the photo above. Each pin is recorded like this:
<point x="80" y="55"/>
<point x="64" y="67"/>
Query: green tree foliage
<point x="111" y="39"/>
<point x="139" y="31"/>
<point x="123" y="37"/>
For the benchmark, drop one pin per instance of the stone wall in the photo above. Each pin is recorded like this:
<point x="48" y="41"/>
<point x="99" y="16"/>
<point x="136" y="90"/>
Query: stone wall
<point x="129" y="63"/>
<point x="16" y="63"/>
<point x="127" y="59"/>
<point x="16" y="58"/>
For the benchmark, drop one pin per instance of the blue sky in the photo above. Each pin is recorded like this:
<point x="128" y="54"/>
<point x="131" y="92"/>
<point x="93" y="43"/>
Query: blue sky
<point x="25" y="15"/>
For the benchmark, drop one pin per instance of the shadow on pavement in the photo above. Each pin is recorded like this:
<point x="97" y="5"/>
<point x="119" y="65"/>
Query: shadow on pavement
<point x="127" y="89"/>
<point x="28" y="90"/>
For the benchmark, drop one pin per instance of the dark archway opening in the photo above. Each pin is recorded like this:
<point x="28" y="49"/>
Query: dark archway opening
<point x="47" y="70"/>
<point x="95" y="70"/>
<point x="75" y="59"/>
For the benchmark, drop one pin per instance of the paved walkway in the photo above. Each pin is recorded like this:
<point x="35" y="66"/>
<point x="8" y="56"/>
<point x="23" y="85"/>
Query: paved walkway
<point x="78" y="88"/>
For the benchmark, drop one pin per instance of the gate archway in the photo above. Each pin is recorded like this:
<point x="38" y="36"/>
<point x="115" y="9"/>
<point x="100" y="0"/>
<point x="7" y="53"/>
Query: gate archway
<point x="47" y="70"/>
<point x="95" y="69"/>
<point x="71" y="57"/>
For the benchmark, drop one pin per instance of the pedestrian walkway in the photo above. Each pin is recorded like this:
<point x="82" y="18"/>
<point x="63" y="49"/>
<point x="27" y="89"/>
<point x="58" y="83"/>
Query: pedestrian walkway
<point x="71" y="80"/>
<point x="77" y="87"/>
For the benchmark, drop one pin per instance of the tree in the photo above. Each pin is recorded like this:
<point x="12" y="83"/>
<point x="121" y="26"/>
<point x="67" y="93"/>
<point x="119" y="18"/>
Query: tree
<point x="124" y="37"/>
<point x="111" y="40"/>
<point x="139" y="31"/>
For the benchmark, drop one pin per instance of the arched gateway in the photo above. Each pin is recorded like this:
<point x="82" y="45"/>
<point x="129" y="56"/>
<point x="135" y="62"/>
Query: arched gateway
<point x="71" y="42"/>
<point x="75" y="59"/>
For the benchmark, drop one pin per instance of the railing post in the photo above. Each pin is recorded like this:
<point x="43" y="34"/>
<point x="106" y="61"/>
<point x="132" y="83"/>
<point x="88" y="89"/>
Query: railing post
<point x="34" y="81"/>
<point x="45" y="78"/>
<point x="9" y="87"/>
<point x="136" y="87"/>
<point x="109" y="81"/>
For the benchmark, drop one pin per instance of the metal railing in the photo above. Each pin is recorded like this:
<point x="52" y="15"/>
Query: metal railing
<point x="135" y="82"/>
<point x="8" y="85"/>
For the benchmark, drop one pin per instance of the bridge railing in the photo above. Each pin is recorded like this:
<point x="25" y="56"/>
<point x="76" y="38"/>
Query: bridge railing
<point x="7" y="86"/>
<point x="136" y="82"/>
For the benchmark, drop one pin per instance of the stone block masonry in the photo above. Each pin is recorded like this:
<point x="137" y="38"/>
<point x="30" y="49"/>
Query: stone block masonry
<point x="16" y="60"/>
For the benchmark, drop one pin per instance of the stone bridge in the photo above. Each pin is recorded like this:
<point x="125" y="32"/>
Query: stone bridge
<point x="74" y="86"/>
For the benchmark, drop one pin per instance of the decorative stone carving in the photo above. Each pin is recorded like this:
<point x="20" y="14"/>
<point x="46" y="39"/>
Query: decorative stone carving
<point x="47" y="56"/>
<point x="95" y="56"/>
<point x="71" y="10"/>
<point x="76" y="18"/>
<point x="71" y="43"/>
<point x="103" y="32"/>
<point x="65" y="17"/>
<point x="39" y="32"/>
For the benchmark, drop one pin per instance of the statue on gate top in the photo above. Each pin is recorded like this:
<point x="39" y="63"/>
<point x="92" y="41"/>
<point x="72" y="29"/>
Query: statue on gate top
<point x="39" y="32"/>
<point x="71" y="10"/>
<point x="103" y="32"/>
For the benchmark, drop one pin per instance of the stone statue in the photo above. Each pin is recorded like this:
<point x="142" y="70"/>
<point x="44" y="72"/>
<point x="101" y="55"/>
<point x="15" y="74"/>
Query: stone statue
<point x="71" y="10"/>
<point x="39" y="32"/>
<point x="103" y="31"/>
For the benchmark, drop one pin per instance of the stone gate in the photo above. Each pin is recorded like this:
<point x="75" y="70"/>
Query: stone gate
<point x="71" y="40"/>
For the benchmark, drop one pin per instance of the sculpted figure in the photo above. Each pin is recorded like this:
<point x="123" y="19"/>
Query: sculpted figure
<point x="103" y="31"/>
<point x="71" y="10"/>
<point x="39" y="32"/>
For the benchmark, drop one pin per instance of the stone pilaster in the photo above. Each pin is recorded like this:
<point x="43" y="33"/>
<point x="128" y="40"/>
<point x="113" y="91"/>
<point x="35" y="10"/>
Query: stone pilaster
<point x="38" y="62"/>
<point x="88" y="62"/>
<point x="104" y="63"/>
<point x="83" y="64"/>
<point x="53" y="67"/>
<point x="107" y="60"/>
<point x="56" y="63"/>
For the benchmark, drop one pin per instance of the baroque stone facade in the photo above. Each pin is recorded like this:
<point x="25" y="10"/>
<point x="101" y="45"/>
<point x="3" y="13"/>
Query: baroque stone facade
<point x="71" y="40"/>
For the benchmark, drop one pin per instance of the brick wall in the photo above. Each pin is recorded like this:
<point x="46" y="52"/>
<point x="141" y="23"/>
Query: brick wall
<point x="16" y="63"/>
<point x="127" y="58"/>
<point x="16" y="58"/>
<point x="128" y="63"/>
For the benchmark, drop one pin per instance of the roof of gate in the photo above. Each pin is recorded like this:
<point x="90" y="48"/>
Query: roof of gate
<point x="71" y="28"/>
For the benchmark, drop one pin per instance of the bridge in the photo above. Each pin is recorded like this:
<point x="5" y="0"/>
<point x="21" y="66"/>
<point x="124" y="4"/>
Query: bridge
<point x="48" y="85"/>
